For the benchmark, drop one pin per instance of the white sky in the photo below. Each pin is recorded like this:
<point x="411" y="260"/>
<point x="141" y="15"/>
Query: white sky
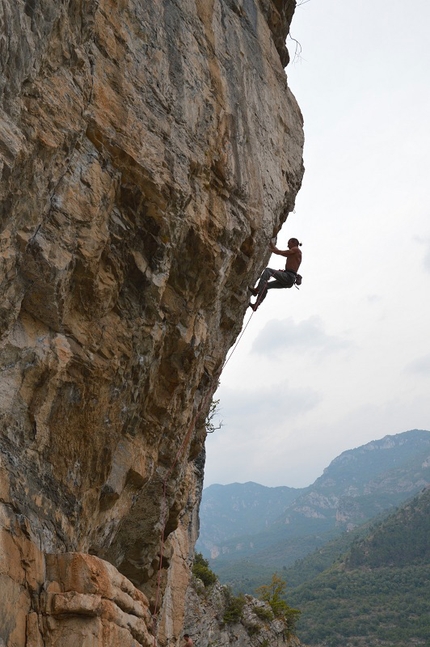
<point x="345" y="359"/>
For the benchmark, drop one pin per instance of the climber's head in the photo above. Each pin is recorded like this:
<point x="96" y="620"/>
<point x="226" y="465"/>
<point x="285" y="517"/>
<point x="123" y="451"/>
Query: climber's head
<point x="293" y="242"/>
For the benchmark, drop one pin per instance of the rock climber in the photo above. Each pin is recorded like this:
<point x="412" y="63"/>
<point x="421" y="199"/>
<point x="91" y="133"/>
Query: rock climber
<point x="282" y="278"/>
<point x="187" y="641"/>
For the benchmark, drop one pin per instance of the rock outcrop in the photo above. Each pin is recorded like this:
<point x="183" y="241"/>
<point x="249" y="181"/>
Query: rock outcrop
<point x="208" y="621"/>
<point x="148" y="152"/>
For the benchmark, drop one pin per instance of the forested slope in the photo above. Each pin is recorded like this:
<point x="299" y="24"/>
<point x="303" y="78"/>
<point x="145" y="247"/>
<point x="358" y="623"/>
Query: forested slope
<point x="379" y="592"/>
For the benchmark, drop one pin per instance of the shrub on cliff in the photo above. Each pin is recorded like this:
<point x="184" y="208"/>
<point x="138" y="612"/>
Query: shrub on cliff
<point x="202" y="571"/>
<point x="272" y="594"/>
<point x="234" y="606"/>
<point x="263" y="613"/>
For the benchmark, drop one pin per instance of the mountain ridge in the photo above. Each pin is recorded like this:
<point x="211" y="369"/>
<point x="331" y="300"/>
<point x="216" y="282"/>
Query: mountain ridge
<point x="358" y="485"/>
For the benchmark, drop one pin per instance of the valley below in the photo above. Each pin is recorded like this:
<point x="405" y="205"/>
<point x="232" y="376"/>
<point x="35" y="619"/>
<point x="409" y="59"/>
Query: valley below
<point x="353" y="546"/>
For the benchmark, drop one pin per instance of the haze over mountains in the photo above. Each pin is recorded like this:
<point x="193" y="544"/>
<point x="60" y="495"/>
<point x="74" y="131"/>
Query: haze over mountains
<point x="249" y="531"/>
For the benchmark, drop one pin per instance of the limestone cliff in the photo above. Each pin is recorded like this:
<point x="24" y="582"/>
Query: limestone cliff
<point x="148" y="151"/>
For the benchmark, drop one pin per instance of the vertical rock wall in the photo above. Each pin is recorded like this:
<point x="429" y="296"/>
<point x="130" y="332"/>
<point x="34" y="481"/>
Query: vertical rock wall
<point x="148" y="151"/>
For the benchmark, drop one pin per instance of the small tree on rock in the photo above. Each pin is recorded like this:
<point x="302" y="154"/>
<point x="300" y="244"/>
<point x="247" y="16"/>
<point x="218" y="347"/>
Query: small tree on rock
<point x="201" y="570"/>
<point x="272" y="594"/>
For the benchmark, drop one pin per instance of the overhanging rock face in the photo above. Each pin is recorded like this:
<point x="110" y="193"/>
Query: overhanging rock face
<point x="148" y="152"/>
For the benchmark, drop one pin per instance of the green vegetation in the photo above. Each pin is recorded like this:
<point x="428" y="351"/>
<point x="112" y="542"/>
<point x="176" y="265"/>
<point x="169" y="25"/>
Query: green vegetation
<point x="245" y="575"/>
<point x="234" y="606"/>
<point x="209" y="423"/>
<point x="368" y="587"/>
<point x="378" y="593"/>
<point x="273" y="594"/>
<point x="401" y="540"/>
<point x="202" y="571"/>
<point x="325" y="556"/>
<point x="262" y="530"/>
<point x="388" y="606"/>
<point x="242" y="577"/>
<point x="264" y="614"/>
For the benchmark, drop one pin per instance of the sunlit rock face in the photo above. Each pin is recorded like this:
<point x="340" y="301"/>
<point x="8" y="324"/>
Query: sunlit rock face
<point x="148" y="152"/>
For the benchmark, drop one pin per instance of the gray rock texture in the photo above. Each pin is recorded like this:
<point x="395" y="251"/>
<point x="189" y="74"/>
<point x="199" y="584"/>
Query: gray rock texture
<point x="256" y="626"/>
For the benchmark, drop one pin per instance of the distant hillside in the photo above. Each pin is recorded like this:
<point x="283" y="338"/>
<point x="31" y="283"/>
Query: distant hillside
<point x="325" y="556"/>
<point x="229" y="511"/>
<point x="378" y="593"/>
<point x="403" y="539"/>
<point x="248" y="537"/>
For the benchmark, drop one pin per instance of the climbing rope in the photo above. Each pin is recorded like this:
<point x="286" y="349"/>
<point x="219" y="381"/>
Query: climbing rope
<point x="165" y="510"/>
<point x="165" y="481"/>
<point x="172" y="467"/>
<point x="238" y="340"/>
<point x="257" y="303"/>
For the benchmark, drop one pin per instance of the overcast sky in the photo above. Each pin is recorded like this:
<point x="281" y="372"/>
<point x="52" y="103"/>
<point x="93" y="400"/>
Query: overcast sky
<point x="345" y="359"/>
